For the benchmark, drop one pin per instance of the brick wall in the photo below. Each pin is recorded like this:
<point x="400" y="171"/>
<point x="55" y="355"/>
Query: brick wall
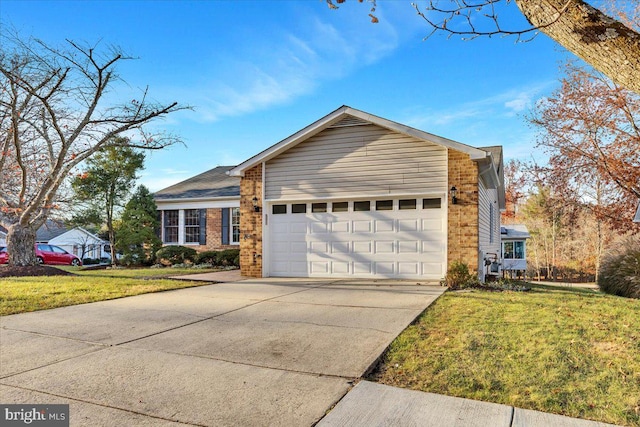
<point x="251" y="223"/>
<point x="463" y="217"/>
<point x="214" y="232"/>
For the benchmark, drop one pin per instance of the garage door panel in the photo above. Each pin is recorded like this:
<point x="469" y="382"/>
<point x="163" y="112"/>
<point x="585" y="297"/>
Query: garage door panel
<point x="408" y="247"/>
<point x="409" y="268"/>
<point x="362" y="268"/>
<point x="362" y="226"/>
<point x="362" y="247"/>
<point x="340" y="226"/>
<point x="432" y="268"/>
<point x="384" y="247"/>
<point x="408" y="225"/>
<point x="319" y="247"/>
<point x="340" y="247"/>
<point x="339" y="268"/>
<point x="298" y="267"/>
<point x="319" y="228"/>
<point x="319" y="267"/>
<point x="385" y="268"/>
<point x="298" y="227"/>
<point x="298" y="247"/>
<point x="384" y="225"/>
<point x="432" y="225"/>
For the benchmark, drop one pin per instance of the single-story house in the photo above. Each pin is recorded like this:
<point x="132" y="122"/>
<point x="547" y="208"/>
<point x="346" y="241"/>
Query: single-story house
<point x="202" y="212"/>
<point x="350" y="195"/>
<point x="514" y="248"/>
<point x="82" y="243"/>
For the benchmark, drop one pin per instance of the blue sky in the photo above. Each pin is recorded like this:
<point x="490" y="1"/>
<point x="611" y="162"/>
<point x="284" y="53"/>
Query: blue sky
<point x="258" y="71"/>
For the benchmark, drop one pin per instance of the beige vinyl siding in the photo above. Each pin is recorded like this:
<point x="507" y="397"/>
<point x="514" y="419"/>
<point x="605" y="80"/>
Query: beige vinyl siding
<point x="360" y="160"/>
<point x="486" y="197"/>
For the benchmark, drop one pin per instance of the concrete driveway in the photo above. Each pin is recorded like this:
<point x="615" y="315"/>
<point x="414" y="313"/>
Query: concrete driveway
<point x="255" y="352"/>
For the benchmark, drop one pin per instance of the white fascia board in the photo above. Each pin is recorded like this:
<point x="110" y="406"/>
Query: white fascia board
<point x="169" y="204"/>
<point x="336" y="116"/>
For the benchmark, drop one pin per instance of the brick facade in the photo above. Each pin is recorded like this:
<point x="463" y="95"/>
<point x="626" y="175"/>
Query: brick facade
<point x="251" y="223"/>
<point x="214" y="232"/>
<point x="462" y="233"/>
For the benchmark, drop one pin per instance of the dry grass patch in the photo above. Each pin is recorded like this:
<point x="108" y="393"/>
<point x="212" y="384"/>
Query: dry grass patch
<point x="566" y="351"/>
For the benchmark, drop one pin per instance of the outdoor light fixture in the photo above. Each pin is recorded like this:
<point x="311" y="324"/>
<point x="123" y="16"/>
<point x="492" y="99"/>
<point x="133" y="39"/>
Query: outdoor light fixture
<point x="454" y="192"/>
<point x="256" y="208"/>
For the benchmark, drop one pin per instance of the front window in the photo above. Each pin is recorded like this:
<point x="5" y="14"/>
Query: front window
<point x="513" y="250"/>
<point x="171" y="220"/>
<point x="191" y="226"/>
<point x="235" y="225"/>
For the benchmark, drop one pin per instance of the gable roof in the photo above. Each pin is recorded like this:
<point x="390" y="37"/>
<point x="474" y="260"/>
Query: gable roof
<point x="50" y="229"/>
<point x="63" y="236"/>
<point x="357" y="117"/>
<point x="214" y="183"/>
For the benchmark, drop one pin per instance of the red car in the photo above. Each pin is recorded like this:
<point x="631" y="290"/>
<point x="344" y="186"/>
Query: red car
<point x="47" y="254"/>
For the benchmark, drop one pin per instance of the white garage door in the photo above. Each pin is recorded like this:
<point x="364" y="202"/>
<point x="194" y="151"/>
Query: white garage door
<point x="399" y="238"/>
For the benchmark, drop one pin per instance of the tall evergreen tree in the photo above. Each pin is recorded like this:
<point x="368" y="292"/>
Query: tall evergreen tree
<point x="137" y="234"/>
<point x="106" y="183"/>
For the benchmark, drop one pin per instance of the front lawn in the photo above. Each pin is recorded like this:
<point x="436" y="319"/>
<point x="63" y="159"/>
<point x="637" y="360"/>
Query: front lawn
<point x="137" y="272"/>
<point x="561" y="350"/>
<point x="22" y="294"/>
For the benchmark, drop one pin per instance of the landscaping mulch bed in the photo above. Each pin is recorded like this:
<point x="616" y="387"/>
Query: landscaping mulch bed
<point x="32" y="270"/>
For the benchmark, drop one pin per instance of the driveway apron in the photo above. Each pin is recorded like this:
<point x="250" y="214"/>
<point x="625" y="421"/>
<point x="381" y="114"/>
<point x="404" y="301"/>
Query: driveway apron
<point x="254" y="352"/>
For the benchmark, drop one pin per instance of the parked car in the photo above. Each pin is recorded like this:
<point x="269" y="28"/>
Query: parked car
<point x="47" y="254"/>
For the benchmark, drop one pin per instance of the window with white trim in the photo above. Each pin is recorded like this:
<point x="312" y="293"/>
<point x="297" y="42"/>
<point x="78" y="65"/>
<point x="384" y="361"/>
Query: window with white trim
<point x="171" y="224"/>
<point x="192" y="226"/>
<point x="235" y="226"/>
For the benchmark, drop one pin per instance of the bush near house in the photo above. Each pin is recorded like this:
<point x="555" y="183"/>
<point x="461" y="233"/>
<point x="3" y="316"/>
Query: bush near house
<point x="458" y="276"/>
<point x="227" y="257"/>
<point x="171" y="255"/>
<point x="620" y="270"/>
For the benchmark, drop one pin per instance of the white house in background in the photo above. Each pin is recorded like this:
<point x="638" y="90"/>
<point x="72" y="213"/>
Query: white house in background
<point x="514" y="248"/>
<point x="3" y="237"/>
<point x="637" y="217"/>
<point x="82" y="243"/>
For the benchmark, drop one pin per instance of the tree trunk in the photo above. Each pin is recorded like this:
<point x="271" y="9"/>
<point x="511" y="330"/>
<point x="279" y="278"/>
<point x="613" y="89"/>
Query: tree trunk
<point x="21" y="242"/>
<point x="606" y="44"/>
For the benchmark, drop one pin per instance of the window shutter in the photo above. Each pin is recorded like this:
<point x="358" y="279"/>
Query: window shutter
<point x="203" y="226"/>
<point x="225" y="225"/>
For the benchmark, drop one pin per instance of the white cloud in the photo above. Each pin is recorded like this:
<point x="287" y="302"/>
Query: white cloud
<point x="287" y="65"/>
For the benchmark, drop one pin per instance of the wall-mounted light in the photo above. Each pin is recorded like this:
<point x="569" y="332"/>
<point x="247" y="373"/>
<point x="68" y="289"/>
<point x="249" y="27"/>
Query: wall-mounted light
<point x="454" y="193"/>
<point x="256" y="208"/>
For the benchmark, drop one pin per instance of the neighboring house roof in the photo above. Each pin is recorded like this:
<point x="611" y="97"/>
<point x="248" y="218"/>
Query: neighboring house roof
<point x="484" y="158"/>
<point x="514" y="231"/>
<point x="214" y="183"/>
<point x="68" y="237"/>
<point x="637" y="217"/>
<point x="50" y="229"/>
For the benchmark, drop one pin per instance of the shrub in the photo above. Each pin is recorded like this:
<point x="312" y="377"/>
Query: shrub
<point x="620" y="269"/>
<point x="458" y="276"/>
<point x="171" y="255"/>
<point x="207" y="257"/>
<point x="229" y="257"/>
<point x="90" y="261"/>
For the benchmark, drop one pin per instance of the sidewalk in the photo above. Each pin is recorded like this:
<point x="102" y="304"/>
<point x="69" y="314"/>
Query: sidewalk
<point x="371" y="404"/>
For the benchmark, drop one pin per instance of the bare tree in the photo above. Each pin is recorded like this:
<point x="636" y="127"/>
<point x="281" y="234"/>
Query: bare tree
<point x="53" y="116"/>
<point x="610" y="45"/>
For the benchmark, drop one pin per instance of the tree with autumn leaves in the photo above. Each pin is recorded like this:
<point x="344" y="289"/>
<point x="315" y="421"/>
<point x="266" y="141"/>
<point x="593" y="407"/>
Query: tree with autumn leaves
<point x="54" y="115"/>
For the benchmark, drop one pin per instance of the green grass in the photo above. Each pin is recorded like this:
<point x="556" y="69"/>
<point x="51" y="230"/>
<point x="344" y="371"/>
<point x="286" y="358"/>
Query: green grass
<point x="137" y="272"/>
<point x="23" y="294"/>
<point x="562" y="350"/>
